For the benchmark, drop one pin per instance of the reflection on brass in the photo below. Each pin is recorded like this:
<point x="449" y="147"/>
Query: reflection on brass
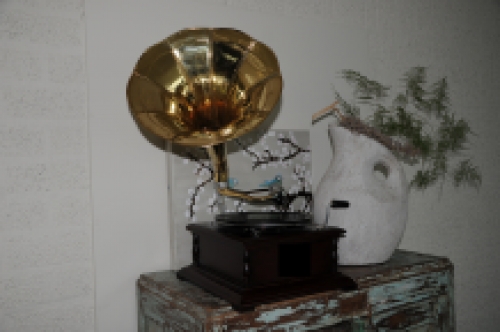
<point x="200" y="87"/>
<point x="203" y="87"/>
<point x="218" y="157"/>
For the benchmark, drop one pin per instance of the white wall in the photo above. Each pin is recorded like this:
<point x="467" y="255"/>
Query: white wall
<point x="46" y="272"/>
<point x="313" y="41"/>
<point x="46" y="219"/>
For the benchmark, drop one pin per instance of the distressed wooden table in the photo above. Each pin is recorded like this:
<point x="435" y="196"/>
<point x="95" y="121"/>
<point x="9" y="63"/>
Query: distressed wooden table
<point x="411" y="292"/>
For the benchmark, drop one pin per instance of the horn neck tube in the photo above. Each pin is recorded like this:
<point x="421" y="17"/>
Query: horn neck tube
<point x="218" y="158"/>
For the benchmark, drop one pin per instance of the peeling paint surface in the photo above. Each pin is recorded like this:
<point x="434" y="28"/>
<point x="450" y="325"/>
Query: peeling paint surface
<point x="274" y="316"/>
<point x="409" y="292"/>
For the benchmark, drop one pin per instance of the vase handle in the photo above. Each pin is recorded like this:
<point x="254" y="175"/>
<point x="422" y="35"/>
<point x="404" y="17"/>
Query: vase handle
<point x="391" y="171"/>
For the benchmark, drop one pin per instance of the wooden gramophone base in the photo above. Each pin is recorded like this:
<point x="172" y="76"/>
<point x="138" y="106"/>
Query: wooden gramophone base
<point x="250" y="270"/>
<point x="247" y="298"/>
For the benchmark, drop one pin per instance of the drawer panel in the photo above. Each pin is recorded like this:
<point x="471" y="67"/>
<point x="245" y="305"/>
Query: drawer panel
<point x="411" y="290"/>
<point x="432" y="314"/>
<point x="161" y="316"/>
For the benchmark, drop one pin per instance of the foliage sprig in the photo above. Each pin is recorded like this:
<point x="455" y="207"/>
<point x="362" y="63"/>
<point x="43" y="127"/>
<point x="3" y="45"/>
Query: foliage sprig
<point x="420" y="117"/>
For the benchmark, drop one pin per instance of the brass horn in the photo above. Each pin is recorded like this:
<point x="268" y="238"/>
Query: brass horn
<point x="204" y="87"/>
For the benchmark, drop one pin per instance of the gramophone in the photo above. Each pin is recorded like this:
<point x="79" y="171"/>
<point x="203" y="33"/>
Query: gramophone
<point x="203" y="87"/>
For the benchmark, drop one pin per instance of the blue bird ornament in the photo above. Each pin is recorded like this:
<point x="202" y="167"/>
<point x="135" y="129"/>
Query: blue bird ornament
<point x="276" y="181"/>
<point x="232" y="182"/>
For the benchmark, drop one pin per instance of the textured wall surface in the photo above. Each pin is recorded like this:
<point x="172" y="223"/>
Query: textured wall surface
<point x="46" y="267"/>
<point x="313" y="40"/>
<point x="46" y="273"/>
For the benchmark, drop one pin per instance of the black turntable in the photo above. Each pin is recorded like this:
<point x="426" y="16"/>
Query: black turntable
<point x="261" y="223"/>
<point x="259" y="257"/>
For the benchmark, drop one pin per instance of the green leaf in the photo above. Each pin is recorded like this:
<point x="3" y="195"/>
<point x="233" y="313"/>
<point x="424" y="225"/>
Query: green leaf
<point x="404" y="119"/>
<point x="467" y="174"/>
<point x="364" y="88"/>
<point x="379" y="116"/>
<point x="424" y="143"/>
<point x="415" y="78"/>
<point x="401" y="100"/>
<point x="439" y="99"/>
<point x="453" y="134"/>
<point x="346" y="108"/>
<point x="423" y="179"/>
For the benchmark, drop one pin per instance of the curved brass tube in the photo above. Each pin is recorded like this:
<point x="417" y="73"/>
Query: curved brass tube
<point x="242" y="195"/>
<point x="218" y="157"/>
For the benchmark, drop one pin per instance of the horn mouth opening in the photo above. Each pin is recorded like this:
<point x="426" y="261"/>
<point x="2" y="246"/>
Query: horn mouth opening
<point x="201" y="87"/>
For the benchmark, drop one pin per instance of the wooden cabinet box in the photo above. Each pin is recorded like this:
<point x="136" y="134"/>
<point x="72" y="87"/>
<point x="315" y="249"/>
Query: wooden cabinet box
<point x="248" y="270"/>
<point x="411" y="292"/>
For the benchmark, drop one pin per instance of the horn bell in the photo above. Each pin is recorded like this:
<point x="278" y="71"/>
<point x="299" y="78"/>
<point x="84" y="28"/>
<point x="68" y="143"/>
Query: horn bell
<point x="204" y="86"/>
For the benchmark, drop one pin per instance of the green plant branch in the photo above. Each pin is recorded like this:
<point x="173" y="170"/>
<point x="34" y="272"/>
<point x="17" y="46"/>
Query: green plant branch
<point x="411" y="116"/>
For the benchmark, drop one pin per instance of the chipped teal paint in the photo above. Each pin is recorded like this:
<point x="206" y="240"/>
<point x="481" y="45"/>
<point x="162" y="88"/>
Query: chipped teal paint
<point x="424" y="308"/>
<point x="314" y="305"/>
<point x="273" y="316"/>
<point x="451" y="293"/>
<point x="173" y="318"/>
<point x="410" y="292"/>
<point x="405" y="291"/>
<point x="290" y="327"/>
<point x="233" y="330"/>
<point x="327" y="320"/>
<point x="428" y="296"/>
<point x="334" y="303"/>
<point x="358" y="325"/>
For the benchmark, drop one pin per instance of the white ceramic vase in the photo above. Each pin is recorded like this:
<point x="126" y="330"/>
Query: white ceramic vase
<point x="367" y="175"/>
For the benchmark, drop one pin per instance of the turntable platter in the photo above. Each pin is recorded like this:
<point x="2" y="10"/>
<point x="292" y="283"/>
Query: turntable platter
<point x="260" y="223"/>
<point x="250" y="219"/>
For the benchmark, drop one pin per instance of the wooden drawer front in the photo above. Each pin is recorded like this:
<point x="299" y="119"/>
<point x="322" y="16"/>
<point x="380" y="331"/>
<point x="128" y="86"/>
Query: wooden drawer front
<point x="310" y="313"/>
<point x="428" y="315"/>
<point x="394" y="294"/>
<point x="424" y="300"/>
